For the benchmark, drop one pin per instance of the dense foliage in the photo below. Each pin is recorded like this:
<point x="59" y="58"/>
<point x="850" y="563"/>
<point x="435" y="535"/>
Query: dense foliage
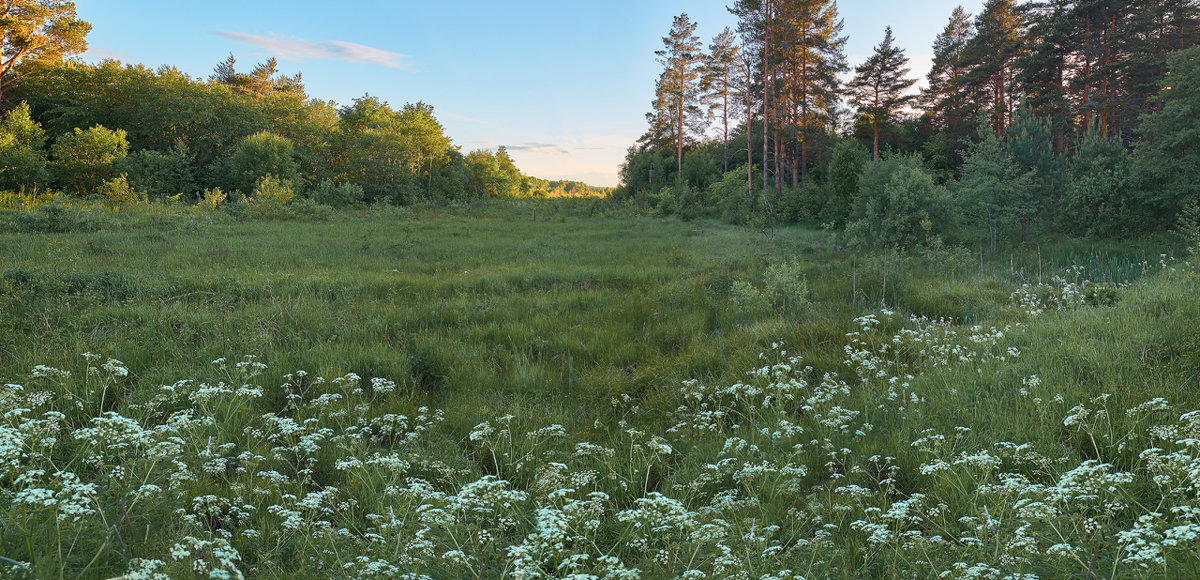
<point x="171" y="135"/>
<point x="1039" y="118"/>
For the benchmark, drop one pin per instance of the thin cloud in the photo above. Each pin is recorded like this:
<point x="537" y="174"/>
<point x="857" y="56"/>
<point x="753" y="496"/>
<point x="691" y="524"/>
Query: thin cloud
<point x="298" y="49"/>
<point x="100" y="53"/>
<point x="539" y="148"/>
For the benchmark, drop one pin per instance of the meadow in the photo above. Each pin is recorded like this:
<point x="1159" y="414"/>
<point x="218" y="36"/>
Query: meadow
<point x="559" y="389"/>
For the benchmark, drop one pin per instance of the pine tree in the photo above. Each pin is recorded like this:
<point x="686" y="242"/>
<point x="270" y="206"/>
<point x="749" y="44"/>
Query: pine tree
<point x="1045" y="67"/>
<point x="722" y="84"/>
<point x="677" y="95"/>
<point x="813" y="51"/>
<point x="1102" y="29"/>
<point x="1158" y="28"/>
<point x="991" y="57"/>
<point x="38" y="30"/>
<point x="879" y="85"/>
<point x="756" y="24"/>
<point x="945" y="97"/>
<point x="264" y="80"/>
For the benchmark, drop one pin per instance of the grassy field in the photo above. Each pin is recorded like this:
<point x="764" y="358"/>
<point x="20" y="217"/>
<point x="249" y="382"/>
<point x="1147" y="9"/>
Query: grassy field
<point x="543" y="389"/>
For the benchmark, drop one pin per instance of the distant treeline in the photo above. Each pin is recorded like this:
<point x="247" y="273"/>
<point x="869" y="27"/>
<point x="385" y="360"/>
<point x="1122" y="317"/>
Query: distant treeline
<point x="127" y="131"/>
<point x="1050" y="117"/>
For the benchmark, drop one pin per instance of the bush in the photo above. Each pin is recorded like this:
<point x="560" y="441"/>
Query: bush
<point x="160" y="173"/>
<point x="1188" y="225"/>
<point x="22" y="162"/>
<point x="898" y="204"/>
<point x="337" y="195"/>
<point x="119" y="192"/>
<point x="309" y="210"/>
<point x="85" y="159"/>
<point x="661" y="204"/>
<point x="803" y="203"/>
<point x="849" y="159"/>
<point x="1097" y="205"/>
<point x="731" y="197"/>
<point x="52" y="218"/>
<point x="258" y="156"/>
<point x="211" y="198"/>
<point x="273" y="190"/>
<point x="785" y="286"/>
<point x="747" y="299"/>
<point x="405" y="194"/>
<point x="689" y="204"/>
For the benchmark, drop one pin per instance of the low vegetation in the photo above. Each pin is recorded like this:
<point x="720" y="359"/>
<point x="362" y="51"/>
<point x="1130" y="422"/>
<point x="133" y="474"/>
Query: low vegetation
<point x="552" y="389"/>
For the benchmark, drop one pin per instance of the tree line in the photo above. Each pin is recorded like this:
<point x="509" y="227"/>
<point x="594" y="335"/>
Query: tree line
<point x="1038" y="117"/>
<point x="129" y="132"/>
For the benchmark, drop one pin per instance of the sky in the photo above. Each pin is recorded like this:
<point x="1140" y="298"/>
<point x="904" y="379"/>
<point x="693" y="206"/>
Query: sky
<point x="563" y="84"/>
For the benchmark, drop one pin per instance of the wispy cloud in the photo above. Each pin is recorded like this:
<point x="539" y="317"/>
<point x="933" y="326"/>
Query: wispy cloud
<point x="101" y="53"/>
<point x="299" y="49"/>
<point x="539" y="148"/>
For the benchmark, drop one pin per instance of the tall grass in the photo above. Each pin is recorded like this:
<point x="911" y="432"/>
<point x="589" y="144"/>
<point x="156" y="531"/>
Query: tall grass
<point x="543" y="389"/>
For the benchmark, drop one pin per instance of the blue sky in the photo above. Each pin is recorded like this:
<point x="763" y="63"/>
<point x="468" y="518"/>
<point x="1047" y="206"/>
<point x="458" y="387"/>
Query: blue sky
<point x="564" y="84"/>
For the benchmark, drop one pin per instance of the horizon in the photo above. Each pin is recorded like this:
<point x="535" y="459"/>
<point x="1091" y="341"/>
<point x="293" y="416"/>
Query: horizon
<point x="567" y="113"/>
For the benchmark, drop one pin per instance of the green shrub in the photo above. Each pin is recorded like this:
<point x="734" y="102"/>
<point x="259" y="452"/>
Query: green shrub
<point x="22" y="162"/>
<point x="1100" y="295"/>
<point x="1097" y="205"/>
<point x="273" y="190"/>
<point x="53" y="218"/>
<point x="211" y="198"/>
<point x="689" y="204"/>
<point x="1188" y="225"/>
<point x="258" y="156"/>
<point x="785" y="286"/>
<point x="898" y="204"/>
<point x="748" y="299"/>
<point x="339" y="195"/>
<point x="119" y="192"/>
<point x="85" y="159"/>
<point x="662" y="203"/>
<point x="160" y="173"/>
<point x="730" y="196"/>
<point x="309" y="210"/>
<point x="802" y="204"/>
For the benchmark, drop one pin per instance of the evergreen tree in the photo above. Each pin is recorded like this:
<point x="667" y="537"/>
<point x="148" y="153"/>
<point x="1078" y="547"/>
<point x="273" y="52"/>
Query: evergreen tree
<point x="722" y="85"/>
<point x="1028" y="144"/>
<point x="756" y="24"/>
<point x="677" y="96"/>
<point x="264" y="80"/>
<point x="813" y="50"/>
<point x="38" y="30"/>
<point x="946" y="98"/>
<point x="1159" y="27"/>
<point x="1045" y="66"/>
<point x="991" y="57"/>
<point x="849" y="159"/>
<point x="1168" y="162"/>
<point x="879" y="85"/>
<point x="1102" y="29"/>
